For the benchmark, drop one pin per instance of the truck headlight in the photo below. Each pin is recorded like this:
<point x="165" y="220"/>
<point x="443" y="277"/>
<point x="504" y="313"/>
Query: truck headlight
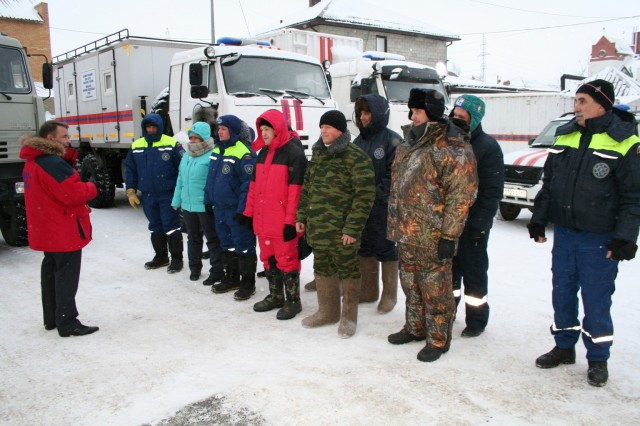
<point x="19" y="187"/>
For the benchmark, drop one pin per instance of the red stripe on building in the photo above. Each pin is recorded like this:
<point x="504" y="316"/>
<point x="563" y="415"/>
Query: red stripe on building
<point x="322" y="50"/>
<point x="103" y="117"/>
<point x="513" y="138"/>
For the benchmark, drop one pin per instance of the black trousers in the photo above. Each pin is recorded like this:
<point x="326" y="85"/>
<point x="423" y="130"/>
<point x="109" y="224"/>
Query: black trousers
<point x="60" y="274"/>
<point x="198" y="224"/>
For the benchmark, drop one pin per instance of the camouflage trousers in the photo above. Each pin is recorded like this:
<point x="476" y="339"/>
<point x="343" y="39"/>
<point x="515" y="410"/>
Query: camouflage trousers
<point x="339" y="259"/>
<point x="427" y="285"/>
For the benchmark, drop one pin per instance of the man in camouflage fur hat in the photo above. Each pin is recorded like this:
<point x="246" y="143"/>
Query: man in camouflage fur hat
<point x="433" y="185"/>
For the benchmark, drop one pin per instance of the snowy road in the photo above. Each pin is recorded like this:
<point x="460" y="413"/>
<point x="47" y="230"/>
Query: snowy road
<point x="165" y="342"/>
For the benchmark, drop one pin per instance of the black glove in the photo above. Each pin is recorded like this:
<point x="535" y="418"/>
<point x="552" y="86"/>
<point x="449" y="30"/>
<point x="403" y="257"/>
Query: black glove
<point x="535" y="230"/>
<point x="446" y="249"/>
<point x="477" y="236"/>
<point x="622" y="250"/>
<point x="289" y="232"/>
<point x="244" y="220"/>
<point x="208" y="208"/>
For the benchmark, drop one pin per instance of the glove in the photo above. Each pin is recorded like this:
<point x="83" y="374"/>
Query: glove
<point x="289" y="233"/>
<point x="244" y="220"/>
<point x="477" y="236"/>
<point x="208" y="209"/>
<point x="622" y="250"/>
<point x="133" y="198"/>
<point x="446" y="249"/>
<point x="535" y="231"/>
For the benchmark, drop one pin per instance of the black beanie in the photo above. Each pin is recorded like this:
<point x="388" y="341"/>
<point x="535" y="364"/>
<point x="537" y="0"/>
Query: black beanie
<point x="264" y="122"/>
<point x="601" y="91"/>
<point x="334" y="118"/>
<point x="429" y="100"/>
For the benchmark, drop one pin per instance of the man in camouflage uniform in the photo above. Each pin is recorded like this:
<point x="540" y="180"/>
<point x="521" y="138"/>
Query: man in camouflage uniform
<point x="337" y="196"/>
<point x="433" y="184"/>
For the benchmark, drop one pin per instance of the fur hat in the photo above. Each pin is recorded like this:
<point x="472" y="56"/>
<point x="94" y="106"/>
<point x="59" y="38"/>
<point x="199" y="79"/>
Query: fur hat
<point x="335" y="119"/>
<point x="474" y="106"/>
<point x="429" y="100"/>
<point x="601" y="91"/>
<point x="201" y="130"/>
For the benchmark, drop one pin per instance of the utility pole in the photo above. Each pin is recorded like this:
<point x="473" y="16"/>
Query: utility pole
<point x="484" y="57"/>
<point x="213" y="26"/>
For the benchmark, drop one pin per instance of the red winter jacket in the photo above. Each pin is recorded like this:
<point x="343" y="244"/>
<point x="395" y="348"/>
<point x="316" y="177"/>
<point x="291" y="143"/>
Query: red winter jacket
<point x="55" y="198"/>
<point x="276" y="184"/>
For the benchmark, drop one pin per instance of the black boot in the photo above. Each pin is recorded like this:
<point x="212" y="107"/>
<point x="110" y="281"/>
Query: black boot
<point x="292" y="306"/>
<point x="231" y="280"/>
<point x="159" y="243"/>
<point x="175" y="248"/>
<point x="555" y="357"/>
<point x="248" y="277"/>
<point x="597" y="375"/>
<point x="275" y="299"/>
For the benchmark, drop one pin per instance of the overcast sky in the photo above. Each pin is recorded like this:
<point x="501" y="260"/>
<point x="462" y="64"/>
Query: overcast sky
<point x="514" y="45"/>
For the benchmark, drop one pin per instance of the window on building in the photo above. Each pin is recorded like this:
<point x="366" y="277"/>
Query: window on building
<point x="381" y="43"/>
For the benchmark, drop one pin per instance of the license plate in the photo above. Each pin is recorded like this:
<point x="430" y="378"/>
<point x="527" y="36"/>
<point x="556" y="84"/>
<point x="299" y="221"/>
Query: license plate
<point x="516" y="193"/>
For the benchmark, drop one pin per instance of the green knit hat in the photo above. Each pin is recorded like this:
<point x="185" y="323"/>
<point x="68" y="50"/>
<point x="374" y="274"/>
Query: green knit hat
<point x="474" y="106"/>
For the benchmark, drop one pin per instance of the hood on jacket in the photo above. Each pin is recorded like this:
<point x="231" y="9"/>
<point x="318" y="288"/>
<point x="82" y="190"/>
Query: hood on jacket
<point x="234" y="124"/>
<point x="156" y="120"/>
<point x="201" y="130"/>
<point x="277" y="120"/>
<point x="379" y="108"/>
<point x="33" y="146"/>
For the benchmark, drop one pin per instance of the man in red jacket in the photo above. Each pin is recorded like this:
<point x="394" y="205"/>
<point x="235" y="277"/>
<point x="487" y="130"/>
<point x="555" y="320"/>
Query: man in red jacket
<point x="58" y="223"/>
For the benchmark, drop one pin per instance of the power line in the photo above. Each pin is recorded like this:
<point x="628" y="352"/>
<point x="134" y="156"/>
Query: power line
<point x="534" y="11"/>
<point x="552" y="26"/>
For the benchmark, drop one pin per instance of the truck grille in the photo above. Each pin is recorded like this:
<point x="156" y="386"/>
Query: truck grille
<point x="522" y="174"/>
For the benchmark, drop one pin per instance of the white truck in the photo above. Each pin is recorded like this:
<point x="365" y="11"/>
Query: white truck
<point x="101" y="92"/>
<point x="354" y="73"/>
<point x="516" y="120"/>
<point x="245" y="79"/>
<point x="21" y="112"/>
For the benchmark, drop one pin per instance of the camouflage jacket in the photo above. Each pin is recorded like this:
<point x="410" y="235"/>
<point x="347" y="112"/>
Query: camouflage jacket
<point x="337" y="193"/>
<point x="433" y="184"/>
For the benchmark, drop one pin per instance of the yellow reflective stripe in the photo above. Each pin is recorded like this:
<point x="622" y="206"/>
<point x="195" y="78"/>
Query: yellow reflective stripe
<point x="600" y="141"/>
<point x="474" y="301"/>
<point x="571" y="140"/>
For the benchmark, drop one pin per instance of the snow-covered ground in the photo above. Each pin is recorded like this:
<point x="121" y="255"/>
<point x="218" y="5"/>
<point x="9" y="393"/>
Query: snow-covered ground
<point x="166" y="342"/>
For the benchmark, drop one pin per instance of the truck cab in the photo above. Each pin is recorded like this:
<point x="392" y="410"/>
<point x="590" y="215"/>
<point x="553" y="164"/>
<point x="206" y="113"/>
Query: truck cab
<point x="523" y="170"/>
<point x="386" y="74"/>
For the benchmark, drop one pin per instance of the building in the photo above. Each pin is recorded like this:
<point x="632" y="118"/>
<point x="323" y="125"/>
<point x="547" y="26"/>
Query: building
<point x="381" y="30"/>
<point x="30" y="25"/>
<point x="616" y="53"/>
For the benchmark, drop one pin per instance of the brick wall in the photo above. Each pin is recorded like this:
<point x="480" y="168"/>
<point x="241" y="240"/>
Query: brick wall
<point x="34" y="36"/>
<point x="420" y="49"/>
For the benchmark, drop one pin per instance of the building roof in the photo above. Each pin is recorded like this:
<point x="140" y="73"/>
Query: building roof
<point x="627" y="89"/>
<point x="21" y="10"/>
<point x="347" y="12"/>
<point x="622" y="46"/>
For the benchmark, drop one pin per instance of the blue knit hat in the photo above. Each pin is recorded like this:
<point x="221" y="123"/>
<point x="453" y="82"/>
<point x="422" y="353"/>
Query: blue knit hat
<point x="474" y="106"/>
<point x="201" y="130"/>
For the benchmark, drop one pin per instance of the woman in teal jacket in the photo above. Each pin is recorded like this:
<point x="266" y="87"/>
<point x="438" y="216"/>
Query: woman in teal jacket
<point x="189" y="196"/>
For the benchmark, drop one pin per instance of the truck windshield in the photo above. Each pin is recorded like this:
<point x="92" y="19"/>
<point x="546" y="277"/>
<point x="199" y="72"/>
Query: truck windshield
<point x="548" y="135"/>
<point x="253" y="75"/>
<point x="14" y="77"/>
<point x="399" y="80"/>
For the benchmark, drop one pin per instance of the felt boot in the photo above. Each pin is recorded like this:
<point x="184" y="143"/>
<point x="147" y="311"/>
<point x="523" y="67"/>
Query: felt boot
<point x="328" y="302"/>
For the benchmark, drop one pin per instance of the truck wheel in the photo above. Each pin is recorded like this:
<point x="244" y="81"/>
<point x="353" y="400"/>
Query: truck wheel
<point x="13" y="223"/>
<point x="100" y="175"/>
<point x="509" y="211"/>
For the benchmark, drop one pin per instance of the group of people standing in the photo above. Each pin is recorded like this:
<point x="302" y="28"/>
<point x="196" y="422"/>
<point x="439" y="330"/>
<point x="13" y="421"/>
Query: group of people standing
<point x="416" y="209"/>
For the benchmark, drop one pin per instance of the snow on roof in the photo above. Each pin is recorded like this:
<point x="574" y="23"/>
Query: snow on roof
<point x="20" y="10"/>
<point x="348" y="12"/>
<point x="627" y="89"/>
<point x="622" y="46"/>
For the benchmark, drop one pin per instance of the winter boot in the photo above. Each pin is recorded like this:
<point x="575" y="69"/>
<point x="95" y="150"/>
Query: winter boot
<point x="430" y="354"/>
<point x="310" y="286"/>
<point x="597" y="375"/>
<point x="555" y="357"/>
<point x="389" y="296"/>
<point x="292" y="306"/>
<point x="248" y="277"/>
<point x="231" y="279"/>
<point x="275" y="299"/>
<point x="349" y="318"/>
<point x="175" y="248"/>
<point x="159" y="243"/>
<point x="370" y="271"/>
<point x="403" y="336"/>
<point x="328" y="303"/>
<point x="214" y="278"/>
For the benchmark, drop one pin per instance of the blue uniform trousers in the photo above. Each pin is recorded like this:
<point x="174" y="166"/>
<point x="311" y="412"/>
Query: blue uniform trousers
<point x="161" y="216"/>
<point x="579" y="263"/>
<point x="232" y="235"/>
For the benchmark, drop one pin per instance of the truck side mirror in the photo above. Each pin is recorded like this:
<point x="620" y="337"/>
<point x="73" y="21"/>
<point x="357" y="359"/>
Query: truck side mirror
<point x="47" y="75"/>
<point x="195" y="75"/>
<point x="531" y="141"/>
<point x="199" y="92"/>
